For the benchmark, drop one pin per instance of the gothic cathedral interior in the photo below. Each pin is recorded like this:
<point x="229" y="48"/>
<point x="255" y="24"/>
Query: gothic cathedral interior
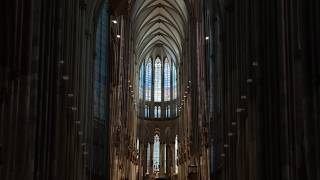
<point x="160" y="89"/>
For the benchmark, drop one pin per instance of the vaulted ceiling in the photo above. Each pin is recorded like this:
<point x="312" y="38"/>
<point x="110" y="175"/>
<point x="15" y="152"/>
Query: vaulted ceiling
<point x="159" y="24"/>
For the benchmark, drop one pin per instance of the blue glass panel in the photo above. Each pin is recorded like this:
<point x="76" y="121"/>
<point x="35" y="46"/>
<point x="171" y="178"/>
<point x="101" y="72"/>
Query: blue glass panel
<point x="174" y="82"/>
<point x="148" y="82"/>
<point x="167" y="77"/>
<point x="157" y="80"/>
<point x="141" y="78"/>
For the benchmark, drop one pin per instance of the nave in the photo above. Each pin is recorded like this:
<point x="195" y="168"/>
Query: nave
<point x="160" y="89"/>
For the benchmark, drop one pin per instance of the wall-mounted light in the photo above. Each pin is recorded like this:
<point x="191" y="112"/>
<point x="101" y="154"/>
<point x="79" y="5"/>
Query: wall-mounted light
<point x="255" y="63"/>
<point x="243" y="97"/>
<point x="114" y="21"/>
<point x="207" y="37"/>
<point x="249" y="80"/>
<point x="65" y="78"/>
<point x="239" y="110"/>
<point x="118" y="36"/>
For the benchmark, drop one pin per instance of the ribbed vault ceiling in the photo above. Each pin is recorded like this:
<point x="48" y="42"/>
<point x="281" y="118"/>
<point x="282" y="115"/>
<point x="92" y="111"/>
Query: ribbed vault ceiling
<point x="159" y="23"/>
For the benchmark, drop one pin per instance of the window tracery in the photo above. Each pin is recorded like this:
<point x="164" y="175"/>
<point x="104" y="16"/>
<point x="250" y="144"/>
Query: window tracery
<point x="158" y="87"/>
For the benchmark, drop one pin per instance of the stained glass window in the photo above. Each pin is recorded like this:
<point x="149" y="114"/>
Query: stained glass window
<point x="156" y="111"/>
<point x="167" y="76"/>
<point x="156" y="153"/>
<point x="158" y="83"/>
<point x="97" y="155"/>
<point x="157" y="80"/>
<point x="141" y="81"/>
<point x="174" y="82"/>
<point x="148" y="80"/>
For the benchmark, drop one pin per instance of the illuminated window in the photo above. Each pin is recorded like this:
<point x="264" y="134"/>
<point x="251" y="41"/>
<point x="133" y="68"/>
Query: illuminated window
<point x="157" y="83"/>
<point x="157" y="80"/>
<point x="174" y="82"/>
<point x="141" y="78"/>
<point x="148" y="86"/>
<point x="156" y="154"/>
<point x="157" y="111"/>
<point x="168" y="111"/>
<point x="167" y="76"/>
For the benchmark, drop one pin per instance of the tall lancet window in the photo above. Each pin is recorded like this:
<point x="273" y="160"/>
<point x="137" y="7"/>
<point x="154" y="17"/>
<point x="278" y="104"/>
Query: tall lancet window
<point x="97" y="155"/>
<point x="157" y="80"/>
<point x="174" y="82"/>
<point x="167" y="77"/>
<point x="157" y="86"/>
<point x="156" y="154"/>
<point x="148" y="86"/>
<point x="141" y="79"/>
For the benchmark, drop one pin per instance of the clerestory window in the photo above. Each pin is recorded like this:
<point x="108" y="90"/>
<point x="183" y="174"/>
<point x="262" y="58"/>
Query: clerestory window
<point x="158" y="87"/>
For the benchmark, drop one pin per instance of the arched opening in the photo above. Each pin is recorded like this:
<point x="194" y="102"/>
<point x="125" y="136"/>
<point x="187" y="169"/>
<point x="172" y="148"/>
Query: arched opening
<point x="160" y="29"/>
<point x="98" y="149"/>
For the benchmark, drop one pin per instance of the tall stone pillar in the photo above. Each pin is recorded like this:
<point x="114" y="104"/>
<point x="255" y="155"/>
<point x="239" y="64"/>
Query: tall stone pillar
<point x="141" y="160"/>
<point x="170" y="150"/>
<point x="162" y="159"/>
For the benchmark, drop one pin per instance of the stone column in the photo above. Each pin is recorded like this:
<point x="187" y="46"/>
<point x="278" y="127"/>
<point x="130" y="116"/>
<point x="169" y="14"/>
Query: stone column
<point x="170" y="159"/>
<point x="144" y="158"/>
<point x="161" y="159"/>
